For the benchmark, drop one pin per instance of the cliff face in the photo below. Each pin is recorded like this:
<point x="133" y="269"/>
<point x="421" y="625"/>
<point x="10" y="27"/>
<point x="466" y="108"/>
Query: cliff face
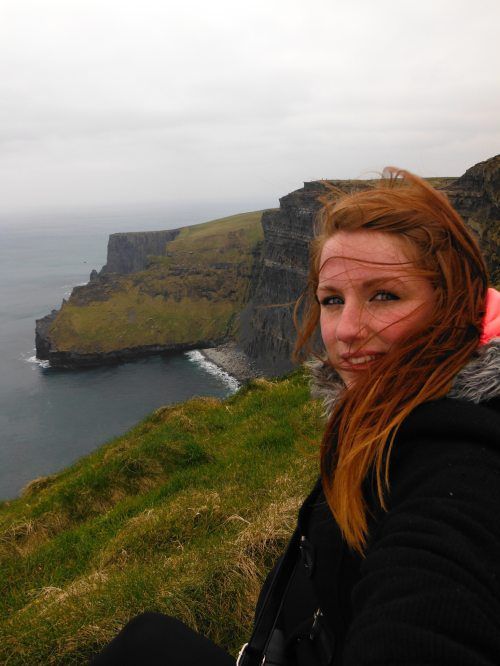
<point x="267" y="326"/>
<point x="268" y="334"/>
<point x="129" y="252"/>
<point x="476" y="196"/>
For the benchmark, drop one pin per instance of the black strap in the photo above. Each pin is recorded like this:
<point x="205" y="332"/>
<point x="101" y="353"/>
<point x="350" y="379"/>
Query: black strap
<point x="254" y="652"/>
<point x="265" y="623"/>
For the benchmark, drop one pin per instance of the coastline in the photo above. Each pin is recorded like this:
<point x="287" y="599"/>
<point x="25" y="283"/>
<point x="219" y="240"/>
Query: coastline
<point x="230" y="358"/>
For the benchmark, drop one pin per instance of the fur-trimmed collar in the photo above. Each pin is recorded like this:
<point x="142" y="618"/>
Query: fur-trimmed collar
<point x="476" y="382"/>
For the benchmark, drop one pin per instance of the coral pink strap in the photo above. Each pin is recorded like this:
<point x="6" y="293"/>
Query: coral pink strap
<point x="491" y="322"/>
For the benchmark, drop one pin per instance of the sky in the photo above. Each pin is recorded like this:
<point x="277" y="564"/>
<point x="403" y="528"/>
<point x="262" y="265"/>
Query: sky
<point x="130" y="103"/>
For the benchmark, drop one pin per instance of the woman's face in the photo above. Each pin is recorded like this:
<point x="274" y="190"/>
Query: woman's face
<point x="369" y="298"/>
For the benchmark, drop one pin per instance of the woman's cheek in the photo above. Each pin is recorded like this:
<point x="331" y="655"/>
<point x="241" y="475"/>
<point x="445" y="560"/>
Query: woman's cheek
<point x="327" y="328"/>
<point x="398" y="324"/>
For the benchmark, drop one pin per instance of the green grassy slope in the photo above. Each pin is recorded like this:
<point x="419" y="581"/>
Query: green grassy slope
<point x="193" y="293"/>
<point x="184" y="514"/>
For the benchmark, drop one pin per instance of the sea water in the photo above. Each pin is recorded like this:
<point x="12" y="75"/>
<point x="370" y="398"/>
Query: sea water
<point x="50" y="417"/>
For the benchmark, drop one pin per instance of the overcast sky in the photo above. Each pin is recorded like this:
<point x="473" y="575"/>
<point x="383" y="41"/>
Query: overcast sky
<point x="138" y="102"/>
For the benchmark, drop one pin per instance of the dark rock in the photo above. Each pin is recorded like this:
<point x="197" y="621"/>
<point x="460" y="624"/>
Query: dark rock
<point x="43" y="342"/>
<point x="73" y="359"/>
<point x="129" y="252"/>
<point x="476" y="196"/>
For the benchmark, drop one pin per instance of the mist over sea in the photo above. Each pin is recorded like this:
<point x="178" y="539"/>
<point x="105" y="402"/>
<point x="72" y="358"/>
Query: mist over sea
<point x="51" y="417"/>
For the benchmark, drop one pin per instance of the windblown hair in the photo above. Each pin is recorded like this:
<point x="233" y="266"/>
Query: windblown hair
<point x="357" y="443"/>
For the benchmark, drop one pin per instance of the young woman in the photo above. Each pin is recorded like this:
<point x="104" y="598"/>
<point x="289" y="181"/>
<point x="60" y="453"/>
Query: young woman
<point x="400" y="542"/>
<point x="396" y="557"/>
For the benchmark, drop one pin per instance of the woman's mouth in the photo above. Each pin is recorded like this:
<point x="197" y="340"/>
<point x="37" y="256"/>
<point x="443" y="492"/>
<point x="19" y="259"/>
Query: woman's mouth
<point x="359" y="361"/>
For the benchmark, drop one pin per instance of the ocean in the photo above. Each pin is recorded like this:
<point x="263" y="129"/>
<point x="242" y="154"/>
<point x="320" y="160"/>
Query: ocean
<point x="51" y="417"/>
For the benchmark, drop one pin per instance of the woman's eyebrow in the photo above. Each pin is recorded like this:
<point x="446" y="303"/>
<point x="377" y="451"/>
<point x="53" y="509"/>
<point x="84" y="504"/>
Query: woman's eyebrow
<point x="376" y="282"/>
<point x="372" y="282"/>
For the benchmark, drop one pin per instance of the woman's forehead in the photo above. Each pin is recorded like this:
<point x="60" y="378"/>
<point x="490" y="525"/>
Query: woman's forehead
<point x="366" y="246"/>
<point x="367" y="256"/>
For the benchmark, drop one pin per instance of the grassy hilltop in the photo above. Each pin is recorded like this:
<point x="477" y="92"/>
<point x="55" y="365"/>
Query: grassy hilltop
<point x="184" y="514"/>
<point x="191" y="293"/>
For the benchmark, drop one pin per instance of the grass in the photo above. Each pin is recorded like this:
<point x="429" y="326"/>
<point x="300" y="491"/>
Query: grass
<point x="184" y="515"/>
<point x="192" y="293"/>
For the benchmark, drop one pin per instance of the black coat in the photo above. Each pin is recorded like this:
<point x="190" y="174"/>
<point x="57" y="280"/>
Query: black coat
<point x="428" y="590"/>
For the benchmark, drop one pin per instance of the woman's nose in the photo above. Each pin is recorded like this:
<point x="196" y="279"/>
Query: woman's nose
<point x="351" y="325"/>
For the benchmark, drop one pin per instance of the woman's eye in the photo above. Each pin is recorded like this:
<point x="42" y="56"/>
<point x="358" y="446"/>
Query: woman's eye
<point x="385" y="296"/>
<point x="331" y="300"/>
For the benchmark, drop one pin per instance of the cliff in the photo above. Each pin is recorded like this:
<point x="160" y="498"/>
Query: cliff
<point x="268" y="333"/>
<point x="476" y="196"/>
<point x="199" y="286"/>
<point x="130" y="252"/>
<point x="160" y="291"/>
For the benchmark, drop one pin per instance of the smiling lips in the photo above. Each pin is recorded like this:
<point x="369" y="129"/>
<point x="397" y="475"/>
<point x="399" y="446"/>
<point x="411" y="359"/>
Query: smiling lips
<point x="350" y="360"/>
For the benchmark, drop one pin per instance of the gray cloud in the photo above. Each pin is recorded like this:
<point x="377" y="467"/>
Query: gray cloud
<point x="107" y="102"/>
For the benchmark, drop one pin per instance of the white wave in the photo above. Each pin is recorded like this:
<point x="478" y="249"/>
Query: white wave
<point x="198" y="358"/>
<point x="34" y="359"/>
<point x="69" y="288"/>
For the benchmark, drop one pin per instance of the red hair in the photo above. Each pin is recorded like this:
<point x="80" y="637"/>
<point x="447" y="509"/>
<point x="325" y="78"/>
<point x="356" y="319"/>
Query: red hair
<point x="361" y="430"/>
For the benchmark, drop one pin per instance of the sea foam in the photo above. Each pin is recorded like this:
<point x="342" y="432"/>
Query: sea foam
<point x="198" y="358"/>
<point x="37" y="361"/>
